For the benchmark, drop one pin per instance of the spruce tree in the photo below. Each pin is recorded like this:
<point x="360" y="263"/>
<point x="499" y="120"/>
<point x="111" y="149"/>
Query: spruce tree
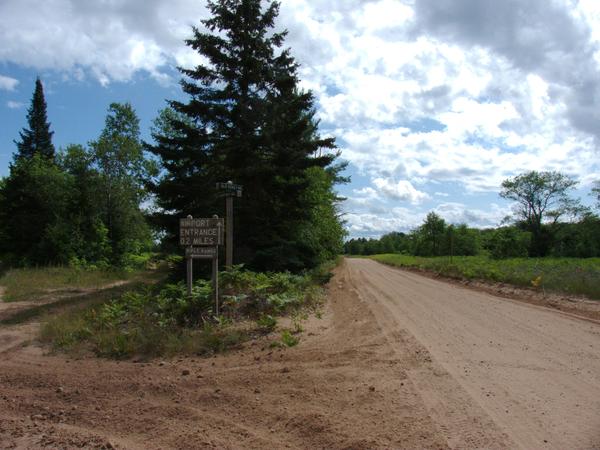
<point x="247" y="121"/>
<point x="33" y="196"/>
<point x="37" y="138"/>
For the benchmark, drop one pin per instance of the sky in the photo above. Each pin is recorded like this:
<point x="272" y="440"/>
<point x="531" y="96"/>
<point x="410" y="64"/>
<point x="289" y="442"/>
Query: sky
<point x="433" y="103"/>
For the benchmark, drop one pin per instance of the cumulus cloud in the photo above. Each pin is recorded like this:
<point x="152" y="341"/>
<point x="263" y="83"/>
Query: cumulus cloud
<point x="8" y="83"/>
<point x="108" y="40"/>
<point x="546" y="38"/>
<point x="401" y="190"/>
<point x="455" y="212"/>
<point x="374" y="225"/>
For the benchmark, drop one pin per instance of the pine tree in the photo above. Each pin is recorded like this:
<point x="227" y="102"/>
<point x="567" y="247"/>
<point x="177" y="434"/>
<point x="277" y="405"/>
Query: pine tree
<point x="246" y="121"/>
<point x="34" y="195"/>
<point x="37" y="139"/>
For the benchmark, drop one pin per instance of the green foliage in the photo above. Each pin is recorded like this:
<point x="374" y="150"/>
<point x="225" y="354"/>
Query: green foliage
<point x="265" y="293"/>
<point x="429" y="237"/>
<point x="122" y="169"/>
<point x="541" y="197"/>
<point x="323" y="231"/>
<point x="248" y="121"/>
<point x="82" y="209"/>
<point x="288" y="339"/>
<point x="567" y="275"/>
<point x="432" y="238"/>
<point x="508" y="242"/>
<point x="267" y="323"/>
<point x="580" y="240"/>
<point x="34" y="200"/>
<point x="167" y="320"/>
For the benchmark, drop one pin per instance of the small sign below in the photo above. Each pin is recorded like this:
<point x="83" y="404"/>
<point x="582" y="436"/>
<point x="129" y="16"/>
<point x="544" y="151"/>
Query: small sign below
<point x="201" y="252"/>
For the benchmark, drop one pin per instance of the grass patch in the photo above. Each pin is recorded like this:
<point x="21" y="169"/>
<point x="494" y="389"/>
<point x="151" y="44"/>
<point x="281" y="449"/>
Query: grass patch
<point x="579" y="276"/>
<point x="164" y="320"/>
<point x="28" y="283"/>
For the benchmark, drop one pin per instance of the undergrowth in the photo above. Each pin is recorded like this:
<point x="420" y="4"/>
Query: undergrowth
<point x="165" y="320"/>
<point x="577" y="276"/>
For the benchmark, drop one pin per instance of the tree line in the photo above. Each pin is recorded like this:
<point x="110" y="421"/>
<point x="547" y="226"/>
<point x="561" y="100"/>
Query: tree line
<point x="246" y="120"/>
<point x="546" y="221"/>
<point x="80" y="205"/>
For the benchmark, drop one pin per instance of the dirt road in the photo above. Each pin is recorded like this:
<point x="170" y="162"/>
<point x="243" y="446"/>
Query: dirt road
<point x="396" y="361"/>
<point x="534" y="372"/>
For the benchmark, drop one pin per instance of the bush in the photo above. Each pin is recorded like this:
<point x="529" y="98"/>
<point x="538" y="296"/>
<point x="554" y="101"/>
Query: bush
<point x="267" y="323"/>
<point x="509" y="242"/>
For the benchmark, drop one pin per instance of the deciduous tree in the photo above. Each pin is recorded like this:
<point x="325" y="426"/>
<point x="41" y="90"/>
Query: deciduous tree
<point x="541" y="197"/>
<point x="122" y="169"/>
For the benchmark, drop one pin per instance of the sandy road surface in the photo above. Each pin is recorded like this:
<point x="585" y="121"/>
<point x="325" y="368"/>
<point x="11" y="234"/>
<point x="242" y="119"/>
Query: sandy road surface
<point x="534" y="372"/>
<point x="396" y="361"/>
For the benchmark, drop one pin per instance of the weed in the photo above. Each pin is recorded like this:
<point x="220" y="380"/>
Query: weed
<point x="288" y="339"/>
<point x="266" y="323"/>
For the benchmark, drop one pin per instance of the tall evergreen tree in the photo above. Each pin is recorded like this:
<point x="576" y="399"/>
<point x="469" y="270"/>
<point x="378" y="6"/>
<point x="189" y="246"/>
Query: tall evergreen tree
<point x="246" y="121"/>
<point x="34" y="194"/>
<point x="37" y="138"/>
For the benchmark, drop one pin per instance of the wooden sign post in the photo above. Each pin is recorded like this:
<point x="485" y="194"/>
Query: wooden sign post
<point x="231" y="190"/>
<point x="201" y="239"/>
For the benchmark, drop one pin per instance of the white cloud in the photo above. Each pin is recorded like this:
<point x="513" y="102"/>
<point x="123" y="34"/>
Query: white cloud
<point x="14" y="105"/>
<point x="374" y="225"/>
<point x="8" y="83"/>
<point x="108" y="40"/>
<point x="456" y="213"/>
<point x="401" y="190"/>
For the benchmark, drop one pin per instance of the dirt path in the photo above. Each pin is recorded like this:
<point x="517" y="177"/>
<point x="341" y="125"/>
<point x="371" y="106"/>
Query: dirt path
<point x="534" y="372"/>
<point x="396" y="361"/>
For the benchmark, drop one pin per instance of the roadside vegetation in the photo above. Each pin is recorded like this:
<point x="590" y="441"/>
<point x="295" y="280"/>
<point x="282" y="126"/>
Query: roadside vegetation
<point x="164" y="320"/>
<point x="577" y="276"/>
<point x="29" y="284"/>
<point x="87" y="215"/>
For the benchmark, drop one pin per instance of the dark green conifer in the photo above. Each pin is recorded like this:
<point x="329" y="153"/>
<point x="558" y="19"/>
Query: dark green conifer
<point x="37" y="138"/>
<point x="247" y="121"/>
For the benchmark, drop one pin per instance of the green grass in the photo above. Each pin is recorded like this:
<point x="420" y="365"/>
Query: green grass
<point x="579" y="276"/>
<point x="27" y="284"/>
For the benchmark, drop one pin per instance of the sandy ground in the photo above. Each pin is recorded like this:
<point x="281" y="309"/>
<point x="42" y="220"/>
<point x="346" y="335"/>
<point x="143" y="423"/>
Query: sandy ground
<point x="397" y="361"/>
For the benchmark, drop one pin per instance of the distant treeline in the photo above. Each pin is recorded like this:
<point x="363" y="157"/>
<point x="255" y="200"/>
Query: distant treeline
<point x="435" y="237"/>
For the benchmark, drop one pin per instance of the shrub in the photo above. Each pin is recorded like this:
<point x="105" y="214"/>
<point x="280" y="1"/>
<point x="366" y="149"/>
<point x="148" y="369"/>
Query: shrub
<point x="267" y="323"/>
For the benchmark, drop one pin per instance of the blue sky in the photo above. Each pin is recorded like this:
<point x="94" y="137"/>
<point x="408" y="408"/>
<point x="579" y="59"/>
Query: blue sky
<point x="432" y="102"/>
